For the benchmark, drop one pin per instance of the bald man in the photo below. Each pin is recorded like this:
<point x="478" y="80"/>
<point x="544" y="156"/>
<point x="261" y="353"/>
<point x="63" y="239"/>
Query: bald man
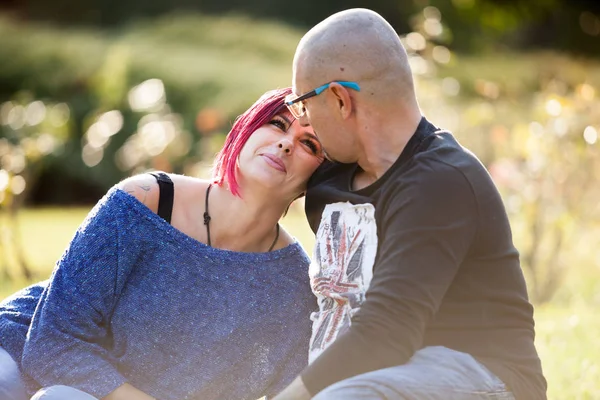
<point x="420" y="290"/>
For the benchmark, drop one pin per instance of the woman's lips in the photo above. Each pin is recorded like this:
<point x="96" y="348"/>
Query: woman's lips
<point x="275" y="162"/>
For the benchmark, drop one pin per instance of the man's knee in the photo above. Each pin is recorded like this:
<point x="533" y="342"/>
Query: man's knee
<point x="432" y="373"/>
<point x="60" y="392"/>
<point x="355" y="388"/>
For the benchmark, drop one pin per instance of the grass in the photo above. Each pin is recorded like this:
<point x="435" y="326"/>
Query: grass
<point x="567" y="341"/>
<point x="567" y="333"/>
<point x="46" y="232"/>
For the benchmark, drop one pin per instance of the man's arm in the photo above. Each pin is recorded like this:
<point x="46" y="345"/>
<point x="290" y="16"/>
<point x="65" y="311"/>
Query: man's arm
<point x="428" y="227"/>
<point x="295" y="391"/>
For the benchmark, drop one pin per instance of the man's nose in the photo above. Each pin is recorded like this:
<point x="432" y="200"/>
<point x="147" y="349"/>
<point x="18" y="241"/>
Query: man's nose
<point x="303" y="120"/>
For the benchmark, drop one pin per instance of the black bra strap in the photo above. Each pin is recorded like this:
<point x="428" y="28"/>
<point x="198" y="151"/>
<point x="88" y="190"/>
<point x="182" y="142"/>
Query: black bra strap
<point x="207" y="215"/>
<point x="165" y="199"/>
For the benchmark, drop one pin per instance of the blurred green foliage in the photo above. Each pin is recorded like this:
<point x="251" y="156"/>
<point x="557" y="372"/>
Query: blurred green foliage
<point x="82" y="108"/>
<point x="476" y="25"/>
<point x="203" y="63"/>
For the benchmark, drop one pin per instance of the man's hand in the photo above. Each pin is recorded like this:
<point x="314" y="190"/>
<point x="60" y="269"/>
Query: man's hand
<point x="295" y="391"/>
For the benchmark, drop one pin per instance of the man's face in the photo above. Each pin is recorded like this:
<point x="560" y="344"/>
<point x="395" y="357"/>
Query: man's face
<point x="319" y="114"/>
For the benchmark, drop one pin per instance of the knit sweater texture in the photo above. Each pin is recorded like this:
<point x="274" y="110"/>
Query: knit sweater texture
<point x="134" y="300"/>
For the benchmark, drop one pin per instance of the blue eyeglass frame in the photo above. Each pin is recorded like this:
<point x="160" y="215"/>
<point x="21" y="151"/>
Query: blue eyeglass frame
<point x="320" y="89"/>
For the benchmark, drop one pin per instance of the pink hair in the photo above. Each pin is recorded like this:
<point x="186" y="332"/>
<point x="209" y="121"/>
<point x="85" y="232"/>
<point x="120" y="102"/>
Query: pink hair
<point x="260" y="113"/>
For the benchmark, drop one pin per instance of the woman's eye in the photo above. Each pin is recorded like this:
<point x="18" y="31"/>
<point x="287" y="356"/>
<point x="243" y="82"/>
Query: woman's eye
<point x="312" y="146"/>
<point x="278" y="123"/>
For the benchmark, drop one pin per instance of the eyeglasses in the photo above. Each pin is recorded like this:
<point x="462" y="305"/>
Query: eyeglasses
<point x="295" y="103"/>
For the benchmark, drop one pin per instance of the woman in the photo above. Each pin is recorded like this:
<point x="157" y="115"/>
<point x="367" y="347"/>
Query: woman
<point x="214" y="305"/>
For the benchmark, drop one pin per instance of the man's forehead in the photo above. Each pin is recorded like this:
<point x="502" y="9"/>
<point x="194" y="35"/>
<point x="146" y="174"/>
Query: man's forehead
<point x="307" y="72"/>
<point x="298" y="80"/>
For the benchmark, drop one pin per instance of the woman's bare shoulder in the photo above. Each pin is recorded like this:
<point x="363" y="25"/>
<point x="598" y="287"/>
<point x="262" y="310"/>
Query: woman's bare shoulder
<point x="144" y="188"/>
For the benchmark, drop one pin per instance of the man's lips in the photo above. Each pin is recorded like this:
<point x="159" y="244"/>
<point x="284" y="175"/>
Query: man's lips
<point x="275" y="162"/>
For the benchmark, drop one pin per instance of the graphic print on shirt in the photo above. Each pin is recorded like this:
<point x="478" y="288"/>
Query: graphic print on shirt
<point x="341" y="269"/>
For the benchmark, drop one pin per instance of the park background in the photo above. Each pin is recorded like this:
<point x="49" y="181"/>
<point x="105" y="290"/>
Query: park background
<point x="92" y="91"/>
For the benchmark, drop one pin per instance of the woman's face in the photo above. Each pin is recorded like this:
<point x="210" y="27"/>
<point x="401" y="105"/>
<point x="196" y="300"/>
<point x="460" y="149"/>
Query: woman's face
<point x="281" y="154"/>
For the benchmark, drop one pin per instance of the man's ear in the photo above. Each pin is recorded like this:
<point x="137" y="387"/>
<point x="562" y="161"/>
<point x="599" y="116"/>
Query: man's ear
<point x="343" y="98"/>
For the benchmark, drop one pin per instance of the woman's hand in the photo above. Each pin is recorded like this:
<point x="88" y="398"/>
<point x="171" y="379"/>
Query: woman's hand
<point x="127" y="392"/>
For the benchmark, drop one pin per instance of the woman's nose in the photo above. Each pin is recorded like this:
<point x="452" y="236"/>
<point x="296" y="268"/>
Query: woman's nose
<point x="285" y="145"/>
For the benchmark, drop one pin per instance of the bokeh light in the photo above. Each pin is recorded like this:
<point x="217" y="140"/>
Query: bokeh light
<point x="17" y="184"/>
<point x="147" y="96"/>
<point x="590" y="135"/>
<point x="91" y="155"/>
<point x="59" y="114"/>
<point x="416" y="41"/>
<point x="4" y="179"/>
<point x="553" y="107"/>
<point x="450" y="86"/>
<point x="35" y="113"/>
<point x="441" y="54"/>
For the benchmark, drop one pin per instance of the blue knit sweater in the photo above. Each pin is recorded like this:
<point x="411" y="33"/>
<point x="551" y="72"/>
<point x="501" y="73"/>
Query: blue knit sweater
<point x="134" y="300"/>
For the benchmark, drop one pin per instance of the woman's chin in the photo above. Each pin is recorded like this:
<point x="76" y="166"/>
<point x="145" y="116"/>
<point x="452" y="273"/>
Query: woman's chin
<point x="273" y="180"/>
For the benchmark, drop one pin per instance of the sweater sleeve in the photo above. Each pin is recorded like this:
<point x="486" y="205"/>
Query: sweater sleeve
<point x="428" y="223"/>
<point x="69" y="331"/>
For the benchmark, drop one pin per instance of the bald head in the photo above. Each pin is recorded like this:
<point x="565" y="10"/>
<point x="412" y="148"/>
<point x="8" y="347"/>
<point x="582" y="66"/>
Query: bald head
<point x="356" y="45"/>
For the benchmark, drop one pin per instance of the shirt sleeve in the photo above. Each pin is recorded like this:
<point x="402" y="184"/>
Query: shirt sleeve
<point x="69" y="331"/>
<point x="428" y="224"/>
